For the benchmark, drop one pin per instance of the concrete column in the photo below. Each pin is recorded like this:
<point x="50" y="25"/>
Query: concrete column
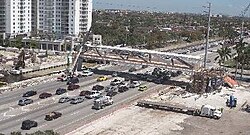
<point x="60" y="47"/>
<point x="41" y="46"/>
<point x="47" y="46"/>
<point x="53" y="47"/>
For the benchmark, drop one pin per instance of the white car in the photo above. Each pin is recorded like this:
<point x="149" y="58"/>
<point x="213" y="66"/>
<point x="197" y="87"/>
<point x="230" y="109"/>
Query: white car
<point x="93" y="94"/>
<point x="134" y="84"/>
<point x="116" y="82"/>
<point x="87" y="73"/>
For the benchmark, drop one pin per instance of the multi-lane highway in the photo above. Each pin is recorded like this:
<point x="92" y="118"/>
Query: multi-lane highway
<point x="12" y="115"/>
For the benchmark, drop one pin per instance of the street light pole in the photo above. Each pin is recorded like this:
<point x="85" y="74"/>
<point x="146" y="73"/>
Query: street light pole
<point x="207" y="38"/>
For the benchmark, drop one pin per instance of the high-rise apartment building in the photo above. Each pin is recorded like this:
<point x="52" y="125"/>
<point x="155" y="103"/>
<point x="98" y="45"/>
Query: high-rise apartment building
<point x="64" y="17"/>
<point x="17" y="17"/>
<point x="57" y="17"/>
<point x="2" y="16"/>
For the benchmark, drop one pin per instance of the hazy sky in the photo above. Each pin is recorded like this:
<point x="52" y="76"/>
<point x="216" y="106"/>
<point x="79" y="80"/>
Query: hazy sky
<point x="229" y="7"/>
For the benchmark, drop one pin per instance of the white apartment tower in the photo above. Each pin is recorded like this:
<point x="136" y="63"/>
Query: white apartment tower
<point x="64" y="17"/>
<point x="17" y="16"/>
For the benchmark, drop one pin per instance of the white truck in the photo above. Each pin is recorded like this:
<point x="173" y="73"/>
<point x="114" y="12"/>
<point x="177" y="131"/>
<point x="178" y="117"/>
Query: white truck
<point x="100" y="103"/>
<point x="211" y="112"/>
<point x="205" y="111"/>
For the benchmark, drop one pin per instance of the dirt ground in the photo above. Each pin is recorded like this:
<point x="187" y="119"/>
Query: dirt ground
<point x="135" y="120"/>
<point x="233" y="122"/>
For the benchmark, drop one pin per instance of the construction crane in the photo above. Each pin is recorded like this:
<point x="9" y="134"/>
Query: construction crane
<point x="85" y="38"/>
<point x="243" y="13"/>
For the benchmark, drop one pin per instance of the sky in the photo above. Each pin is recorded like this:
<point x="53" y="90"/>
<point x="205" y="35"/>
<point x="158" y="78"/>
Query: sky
<point x="225" y="7"/>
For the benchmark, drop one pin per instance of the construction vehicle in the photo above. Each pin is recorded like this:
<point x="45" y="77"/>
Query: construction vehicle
<point x="205" y="111"/>
<point x="246" y="107"/>
<point x="102" y="102"/>
<point x="231" y="102"/>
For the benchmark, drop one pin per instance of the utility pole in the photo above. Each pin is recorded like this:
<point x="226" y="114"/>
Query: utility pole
<point x="242" y="20"/>
<point x="208" y="30"/>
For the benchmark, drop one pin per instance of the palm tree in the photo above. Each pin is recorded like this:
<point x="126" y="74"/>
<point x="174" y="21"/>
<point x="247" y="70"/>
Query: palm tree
<point x="239" y="58"/>
<point x="223" y="54"/>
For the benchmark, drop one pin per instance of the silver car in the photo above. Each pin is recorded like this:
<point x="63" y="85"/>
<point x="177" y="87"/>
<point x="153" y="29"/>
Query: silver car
<point x="25" y="101"/>
<point x="76" y="100"/>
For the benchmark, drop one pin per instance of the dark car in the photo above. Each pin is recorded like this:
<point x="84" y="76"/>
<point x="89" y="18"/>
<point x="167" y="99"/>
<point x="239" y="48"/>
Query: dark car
<point x="73" y="87"/>
<point x="25" y="101"/>
<point x="64" y="99"/>
<point x="45" y="95"/>
<point x="123" y="89"/>
<point x="52" y="116"/>
<point x="111" y="93"/>
<point x="29" y="93"/>
<point x="110" y="88"/>
<point x="73" y="80"/>
<point x="28" y="124"/>
<point x="98" y="87"/>
<point x="84" y="93"/>
<point x="132" y="69"/>
<point x="159" y="81"/>
<point x="77" y="100"/>
<point x="60" y="91"/>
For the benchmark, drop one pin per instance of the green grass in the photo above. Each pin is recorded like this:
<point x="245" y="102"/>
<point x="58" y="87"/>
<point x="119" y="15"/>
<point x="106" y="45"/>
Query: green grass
<point x="230" y="63"/>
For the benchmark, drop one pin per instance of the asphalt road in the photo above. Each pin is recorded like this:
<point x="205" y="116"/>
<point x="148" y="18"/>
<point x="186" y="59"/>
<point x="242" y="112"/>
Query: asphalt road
<point x="12" y="115"/>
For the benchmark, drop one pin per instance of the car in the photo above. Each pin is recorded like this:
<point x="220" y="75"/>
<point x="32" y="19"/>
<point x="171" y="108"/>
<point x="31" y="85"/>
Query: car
<point x="123" y="84"/>
<point x="102" y="78"/>
<point x="116" y="82"/>
<point x="64" y="99"/>
<point x="73" y="87"/>
<point x="111" y="93"/>
<point x="60" y="91"/>
<point x="144" y="66"/>
<point x="29" y="93"/>
<point x="143" y="88"/>
<point x="28" y="124"/>
<point x="115" y="74"/>
<point x="45" y="95"/>
<point x="77" y="100"/>
<point x="122" y="88"/>
<point x="93" y="94"/>
<point x="73" y="80"/>
<point x="159" y="81"/>
<point x="62" y="78"/>
<point x="99" y="96"/>
<point x="78" y="74"/>
<point x="98" y="87"/>
<point x="53" y="115"/>
<point x="134" y="84"/>
<point x="141" y="76"/>
<point x="110" y="88"/>
<point x="25" y="101"/>
<point x="132" y="69"/>
<point x="87" y="73"/>
<point x="84" y="93"/>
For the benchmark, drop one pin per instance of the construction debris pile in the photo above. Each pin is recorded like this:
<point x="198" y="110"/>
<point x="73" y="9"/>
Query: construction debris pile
<point x="206" y="81"/>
